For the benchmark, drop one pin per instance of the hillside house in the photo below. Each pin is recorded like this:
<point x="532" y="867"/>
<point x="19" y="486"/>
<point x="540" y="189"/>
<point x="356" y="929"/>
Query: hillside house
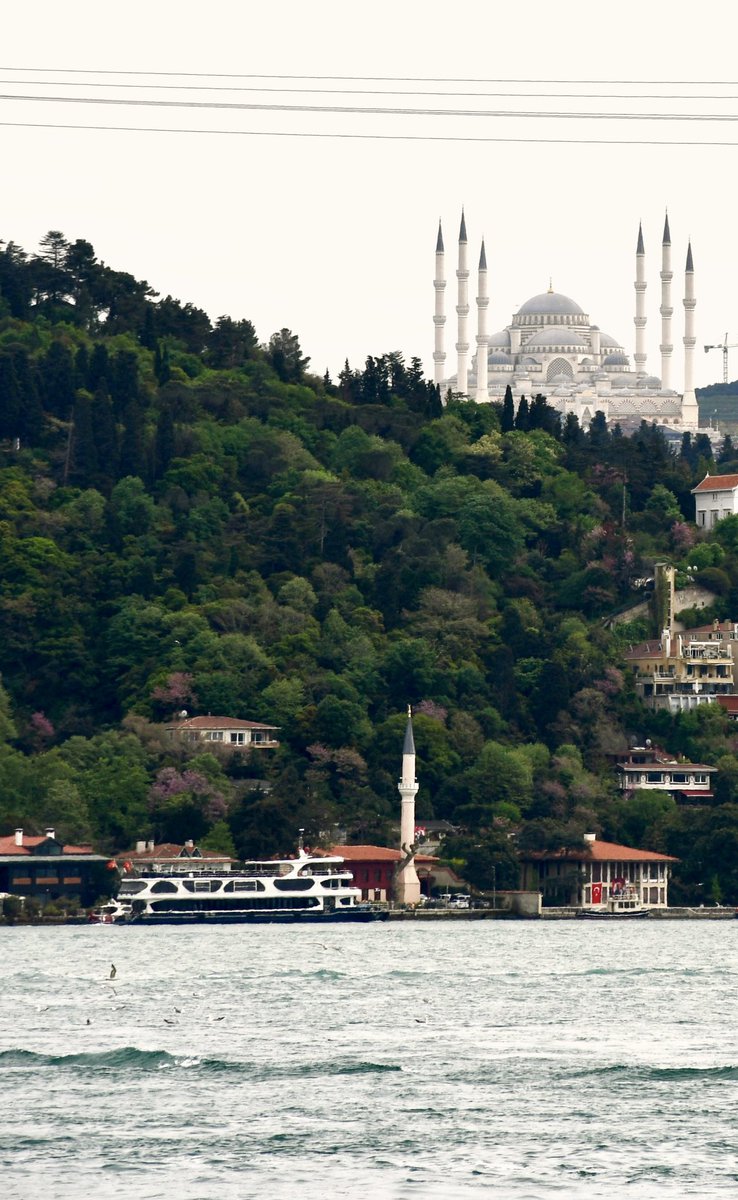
<point x="647" y="768"/>
<point x="166" y="857"/>
<point x="228" y="732"/>
<point x="678" y="671"/>
<point x="714" y="498"/>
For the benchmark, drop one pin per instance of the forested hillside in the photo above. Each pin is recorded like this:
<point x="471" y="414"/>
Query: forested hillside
<point x="190" y="519"/>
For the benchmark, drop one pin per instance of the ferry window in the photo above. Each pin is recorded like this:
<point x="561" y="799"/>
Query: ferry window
<point x="244" y="885"/>
<point x="294" y="885"/>
<point x="163" y="885"/>
<point x="129" y="887"/>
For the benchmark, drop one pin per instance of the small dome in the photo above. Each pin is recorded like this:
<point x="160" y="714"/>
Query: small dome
<point x="499" y="358"/>
<point x="652" y="381"/>
<point x="500" y="339"/>
<point x="617" y="360"/>
<point x="622" y="381"/>
<point x="606" y="340"/>
<point x="556" y="335"/>
<point x="531" y="362"/>
<point x="551" y="303"/>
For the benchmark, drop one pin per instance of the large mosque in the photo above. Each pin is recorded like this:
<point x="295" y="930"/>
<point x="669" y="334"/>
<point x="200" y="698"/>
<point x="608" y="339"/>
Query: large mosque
<point x="551" y="347"/>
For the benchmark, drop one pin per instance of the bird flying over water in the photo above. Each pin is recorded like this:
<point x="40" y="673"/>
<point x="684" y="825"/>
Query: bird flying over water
<point x="113" y="971"/>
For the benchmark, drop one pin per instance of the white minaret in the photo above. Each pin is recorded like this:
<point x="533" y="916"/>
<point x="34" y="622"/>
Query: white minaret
<point x="462" y="311"/>
<point x="690" y="412"/>
<point x="407" y="885"/>
<point x="482" y="335"/>
<point x="439" y="317"/>
<point x="666" y="308"/>
<point x="640" y="317"/>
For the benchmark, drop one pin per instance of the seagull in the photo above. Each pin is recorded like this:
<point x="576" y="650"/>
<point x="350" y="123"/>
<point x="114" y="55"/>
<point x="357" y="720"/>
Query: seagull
<point x="421" y="1020"/>
<point x="212" y="1019"/>
<point x="168" y="1022"/>
<point x="325" y="946"/>
<point x="113" y="971"/>
<point x="178" y="1010"/>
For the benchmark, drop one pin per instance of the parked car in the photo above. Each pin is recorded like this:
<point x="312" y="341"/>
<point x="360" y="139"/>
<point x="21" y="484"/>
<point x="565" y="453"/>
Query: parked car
<point x="459" y="900"/>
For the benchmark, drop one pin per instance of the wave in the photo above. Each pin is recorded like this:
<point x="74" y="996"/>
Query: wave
<point x="124" y="1058"/>
<point x="638" y="1074"/>
<point x="130" y="1058"/>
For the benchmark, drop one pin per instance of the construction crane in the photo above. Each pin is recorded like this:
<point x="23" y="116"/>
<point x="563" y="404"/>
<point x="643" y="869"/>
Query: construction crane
<point x="725" y="347"/>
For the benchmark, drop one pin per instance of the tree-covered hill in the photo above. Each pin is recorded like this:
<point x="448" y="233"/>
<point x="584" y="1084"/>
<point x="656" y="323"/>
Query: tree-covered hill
<point x="188" y="518"/>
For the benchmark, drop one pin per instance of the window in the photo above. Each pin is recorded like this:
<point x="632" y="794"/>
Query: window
<point x="163" y="885"/>
<point x="244" y="885"/>
<point x="237" y="738"/>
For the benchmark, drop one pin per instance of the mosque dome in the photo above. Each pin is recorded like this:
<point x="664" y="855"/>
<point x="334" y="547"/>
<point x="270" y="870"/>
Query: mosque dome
<point x="652" y="381"/>
<point x="622" y="381"/>
<point x="500" y="339"/>
<point x="607" y="340"/>
<point x="549" y="303"/>
<point x="617" y="360"/>
<point x="557" y="335"/>
<point x="499" y="358"/>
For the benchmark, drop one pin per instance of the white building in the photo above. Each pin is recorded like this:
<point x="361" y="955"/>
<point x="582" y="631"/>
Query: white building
<point x="552" y="347"/>
<point x="714" y="498"/>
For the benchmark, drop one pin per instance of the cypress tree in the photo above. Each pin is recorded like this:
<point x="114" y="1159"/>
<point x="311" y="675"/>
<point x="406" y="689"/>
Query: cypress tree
<point x="507" y="421"/>
<point x="522" y="417"/>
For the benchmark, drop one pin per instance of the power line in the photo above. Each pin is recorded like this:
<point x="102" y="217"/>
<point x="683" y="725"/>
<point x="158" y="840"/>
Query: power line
<point x="372" y="137"/>
<point x="371" y="110"/>
<point x="378" y="78"/>
<point x="189" y="87"/>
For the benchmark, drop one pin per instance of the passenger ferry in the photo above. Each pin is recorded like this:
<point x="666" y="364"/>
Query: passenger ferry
<point x="305" y="889"/>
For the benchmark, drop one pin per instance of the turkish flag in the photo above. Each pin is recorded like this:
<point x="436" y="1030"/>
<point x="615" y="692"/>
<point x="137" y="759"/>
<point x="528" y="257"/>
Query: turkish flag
<point x="597" y="893"/>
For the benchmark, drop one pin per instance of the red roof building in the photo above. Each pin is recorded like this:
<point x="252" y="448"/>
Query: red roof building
<point x="646" y="768"/>
<point x="229" y="732"/>
<point x="168" y="856"/>
<point x="590" y="875"/>
<point x="44" y="867"/>
<point x="373" y="869"/>
<point x="715" y="497"/>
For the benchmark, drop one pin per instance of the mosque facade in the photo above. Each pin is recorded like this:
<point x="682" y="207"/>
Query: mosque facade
<point x="551" y="347"/>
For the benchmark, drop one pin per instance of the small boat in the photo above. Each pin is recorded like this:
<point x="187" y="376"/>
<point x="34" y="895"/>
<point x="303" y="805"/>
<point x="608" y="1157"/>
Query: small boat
<point x="624" y="903"/>
<point x="306" y="889"/>
<point x="108" y="914"/>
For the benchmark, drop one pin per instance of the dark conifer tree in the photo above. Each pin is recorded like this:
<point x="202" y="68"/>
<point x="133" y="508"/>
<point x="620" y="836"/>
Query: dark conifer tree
<point x="31" y="417"/>
<point x="164" y="441"/>
<point x="572" y="434"/>
<point x="83" y="452"/>
<point x="507" y="420"/>
<point x="522" y="416"/>
<point x="99" y="369"/>
<point x="124" y="382"/>
<point x="81" y="367"/>
<point x="57" y="381"/>
<point x="10" y="399"/>
<point x="147" y="336"/>
<point x="132" y="461"/>
<point x="727" y="450"/>
<point x="106" y="442"/>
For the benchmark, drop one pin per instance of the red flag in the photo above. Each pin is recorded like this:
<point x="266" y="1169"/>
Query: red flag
<point x="597" y="893"/>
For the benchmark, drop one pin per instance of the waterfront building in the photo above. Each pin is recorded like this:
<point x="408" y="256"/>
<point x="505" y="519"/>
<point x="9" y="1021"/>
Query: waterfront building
<point x="551" y="347"/>
<point x="587" y="877"/>
<point x="374" y="869"/>
<point x="167" y="856"/>
<point x="44" y="867"/>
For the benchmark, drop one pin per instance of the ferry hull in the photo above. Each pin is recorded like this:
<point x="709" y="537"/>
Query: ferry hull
<point x="359" y="916"/>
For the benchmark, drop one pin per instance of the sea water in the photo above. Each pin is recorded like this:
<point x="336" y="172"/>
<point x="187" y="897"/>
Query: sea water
<point x="515" y="1059"/>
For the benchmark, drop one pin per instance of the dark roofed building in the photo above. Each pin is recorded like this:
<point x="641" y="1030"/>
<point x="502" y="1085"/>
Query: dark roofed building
<point x="42" y="866"/>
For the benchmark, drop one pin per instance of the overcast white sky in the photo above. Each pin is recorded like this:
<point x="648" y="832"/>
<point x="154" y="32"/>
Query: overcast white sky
<point x="334" y="238"/>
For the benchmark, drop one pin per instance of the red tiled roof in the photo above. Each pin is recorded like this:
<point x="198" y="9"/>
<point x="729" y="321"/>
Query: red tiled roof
<point x="598" y="851"/>
<point x="8" y="845"/>
<point x="217" y="723"/>
<point x="170" y="850"/>
<point x="717" y="483"/>
<point x="374" y="854"/>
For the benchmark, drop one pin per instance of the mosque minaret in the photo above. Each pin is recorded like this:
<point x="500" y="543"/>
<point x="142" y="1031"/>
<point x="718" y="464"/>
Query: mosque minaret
<point x="689" y="400"/>
<point x="407" y="884"/>
<point x="462" y="310"/>
<point x="439" y="317"/>
<point x="640" y="317"/>
<point x="551" y="347"/>
<point x="667" y="308"/>
<point x="482" y="336"/>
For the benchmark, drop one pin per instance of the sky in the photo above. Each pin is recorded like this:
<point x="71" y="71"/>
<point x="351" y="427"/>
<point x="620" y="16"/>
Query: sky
<point x="334" y="237"/>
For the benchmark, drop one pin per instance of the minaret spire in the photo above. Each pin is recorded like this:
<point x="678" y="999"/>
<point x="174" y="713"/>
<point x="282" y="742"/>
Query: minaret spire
<point x="407" y="884"/>
<point x="439" y="317"/>
<point x="482" y="335"/>
<point x="690" y="412"/>
<point x="640" y="317"/>
<point x="666" y="308"/>
<point x="462" y="311"/>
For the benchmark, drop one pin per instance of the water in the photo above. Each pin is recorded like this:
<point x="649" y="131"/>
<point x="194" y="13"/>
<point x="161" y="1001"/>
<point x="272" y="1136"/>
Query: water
<point x="523" y="1059"/>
